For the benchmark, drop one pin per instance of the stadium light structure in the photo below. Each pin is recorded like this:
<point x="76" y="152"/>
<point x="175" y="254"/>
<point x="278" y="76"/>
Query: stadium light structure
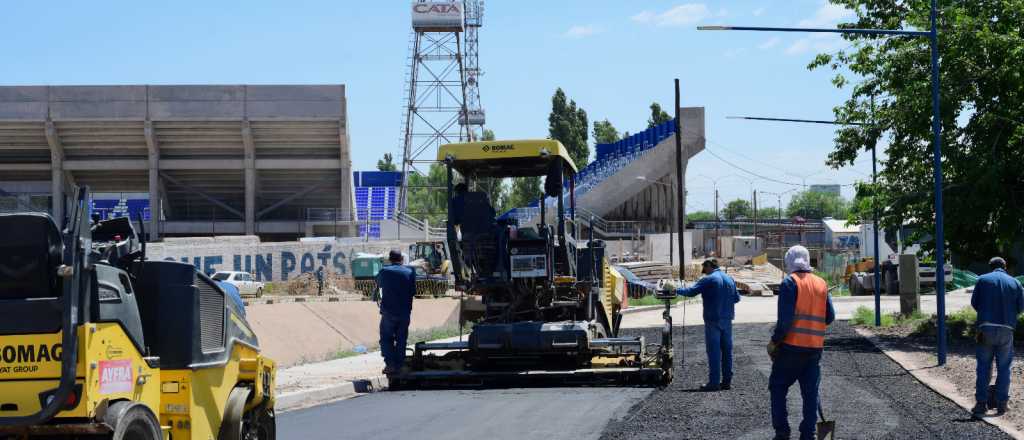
<point x="933" y="37"/>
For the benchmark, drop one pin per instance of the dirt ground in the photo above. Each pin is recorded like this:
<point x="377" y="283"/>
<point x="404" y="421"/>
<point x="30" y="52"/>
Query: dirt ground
<point x="960" y="365"/>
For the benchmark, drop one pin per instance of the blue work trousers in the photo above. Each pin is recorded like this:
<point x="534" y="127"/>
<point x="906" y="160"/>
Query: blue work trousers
<point x="718" y="342"/>
<point x="997" y="343"/>
<point x="393" y="335"/>
<point x="790" y="367"/>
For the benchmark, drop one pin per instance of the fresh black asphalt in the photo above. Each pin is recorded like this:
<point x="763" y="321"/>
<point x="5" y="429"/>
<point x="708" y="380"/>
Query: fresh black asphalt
<point x="868" y="395"/>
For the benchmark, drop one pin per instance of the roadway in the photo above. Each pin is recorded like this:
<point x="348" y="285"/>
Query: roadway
<point x="521" y="414"/>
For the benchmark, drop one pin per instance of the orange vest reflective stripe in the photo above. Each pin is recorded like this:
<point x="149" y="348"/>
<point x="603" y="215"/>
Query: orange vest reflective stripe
<point x="809" y="319"/>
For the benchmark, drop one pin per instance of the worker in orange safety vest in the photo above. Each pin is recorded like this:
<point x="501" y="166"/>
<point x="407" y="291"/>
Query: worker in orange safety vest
<point x="804" y="313"/>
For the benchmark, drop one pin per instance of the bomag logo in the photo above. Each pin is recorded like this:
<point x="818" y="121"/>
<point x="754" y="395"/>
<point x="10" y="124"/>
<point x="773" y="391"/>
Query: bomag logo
<point x="500" y="148"/>
<point x="30" y="354"/>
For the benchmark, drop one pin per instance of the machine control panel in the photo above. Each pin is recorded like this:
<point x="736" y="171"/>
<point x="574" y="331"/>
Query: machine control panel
<point x="529" y="266"/>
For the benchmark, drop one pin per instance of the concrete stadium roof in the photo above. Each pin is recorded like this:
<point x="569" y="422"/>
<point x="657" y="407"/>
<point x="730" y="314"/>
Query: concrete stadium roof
<point x="252" y="158"/>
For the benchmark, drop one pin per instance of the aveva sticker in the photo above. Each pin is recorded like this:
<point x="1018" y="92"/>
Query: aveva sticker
<point x="116" y="376"/>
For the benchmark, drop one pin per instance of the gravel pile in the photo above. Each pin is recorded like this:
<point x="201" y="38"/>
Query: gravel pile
<point x="868" y="395"/>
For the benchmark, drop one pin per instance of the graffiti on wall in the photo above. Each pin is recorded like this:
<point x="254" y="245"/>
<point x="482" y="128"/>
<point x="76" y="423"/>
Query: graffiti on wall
<point x="268" y="261"/>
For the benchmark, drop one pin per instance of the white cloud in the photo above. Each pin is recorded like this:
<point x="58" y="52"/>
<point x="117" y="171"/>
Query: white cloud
<point x="828" y="15"/>
<point x="758" y="12"/>
<point x="770" y="43"/>
<point x="582" y="31"/>
<point x="679" y="15"/>
<point x="817" y="43"/>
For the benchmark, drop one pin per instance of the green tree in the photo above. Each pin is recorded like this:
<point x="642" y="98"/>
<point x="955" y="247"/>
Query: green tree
<point x="496" y="189"/>
<point x="737" y="208"/>
<point x="982" y="102"/>
<point x="605" y="132"/>
<point x="568" y="124"/>
<point x="817" y="205"/>
<point x="525" y="190"/>
<point x="700" y="216"/>
<point x="767" y="213"/>
<point x="658" y="115"/>
<point x="428" y="194"/>
<point x="386" y="164"/>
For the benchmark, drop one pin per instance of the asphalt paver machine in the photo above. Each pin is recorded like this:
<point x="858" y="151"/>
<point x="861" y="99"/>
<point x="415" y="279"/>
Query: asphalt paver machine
<point x="548" y="305"/>
<point x="96" y="341"/>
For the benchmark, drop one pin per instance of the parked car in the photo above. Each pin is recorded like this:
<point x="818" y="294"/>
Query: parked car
<point x="246" y="284"/>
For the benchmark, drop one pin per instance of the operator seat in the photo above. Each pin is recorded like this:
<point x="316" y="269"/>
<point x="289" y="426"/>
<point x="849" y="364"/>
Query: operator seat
<point x="479" y="233"/>
<point x="30" y="252"/>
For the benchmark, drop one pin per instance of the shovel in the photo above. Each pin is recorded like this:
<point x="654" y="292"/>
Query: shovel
<point x="826" y="428"/>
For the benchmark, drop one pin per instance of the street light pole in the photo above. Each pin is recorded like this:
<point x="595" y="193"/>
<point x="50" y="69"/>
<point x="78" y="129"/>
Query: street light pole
<point x="940" y="239"/>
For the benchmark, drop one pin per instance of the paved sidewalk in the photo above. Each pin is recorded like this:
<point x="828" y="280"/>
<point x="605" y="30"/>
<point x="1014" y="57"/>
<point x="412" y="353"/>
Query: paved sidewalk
<point x="869" y="396"/>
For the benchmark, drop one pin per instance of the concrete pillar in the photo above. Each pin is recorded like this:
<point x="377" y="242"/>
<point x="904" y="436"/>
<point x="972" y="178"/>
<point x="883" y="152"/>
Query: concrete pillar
<point x="249" y="162"/>
<point x="153" y="165"/>
<point x="345" y="169"/>
<point x="56" y="174"/>
<point x="910" y="284"/>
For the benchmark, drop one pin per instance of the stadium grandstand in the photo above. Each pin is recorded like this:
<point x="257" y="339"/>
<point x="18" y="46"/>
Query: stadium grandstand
<point x="629" y="187"/>
<point x="194" y="160"/>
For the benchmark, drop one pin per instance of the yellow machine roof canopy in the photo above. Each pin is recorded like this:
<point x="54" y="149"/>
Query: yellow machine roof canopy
<point x="506" y="158"/>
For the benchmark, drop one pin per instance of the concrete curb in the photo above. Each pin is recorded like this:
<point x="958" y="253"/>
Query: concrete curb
<point x="937" y="383"/>
<point x="317" y="396"/>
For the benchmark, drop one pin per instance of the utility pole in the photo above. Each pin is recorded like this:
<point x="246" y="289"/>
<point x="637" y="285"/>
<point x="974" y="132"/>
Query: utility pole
<point x="718" y="222"/>
<point x="680" y="189"/>
<point x="755" y="218"/>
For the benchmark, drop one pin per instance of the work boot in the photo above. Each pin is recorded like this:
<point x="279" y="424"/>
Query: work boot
<point x="710" y="387"/>
<point x="1001" y="408"/>
<point x="388" y="371"/>
<point x="979" y="410"/>
<point x="781" y="436"/>
<point x="726" y="386"/>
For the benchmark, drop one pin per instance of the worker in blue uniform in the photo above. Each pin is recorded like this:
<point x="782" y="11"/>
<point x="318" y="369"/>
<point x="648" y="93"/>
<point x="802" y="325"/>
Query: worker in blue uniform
<point x="719" y="294"/>
<point x="398" y="287"/>
<point x="804" y="313"/>
<point x="999" y="299"/>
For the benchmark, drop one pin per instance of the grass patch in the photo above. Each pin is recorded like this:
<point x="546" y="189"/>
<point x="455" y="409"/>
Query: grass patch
<point x="959" y="324"/>
<point x="865" y="316"/>
<point x="268" y="288"/>
<point x="651" y="300"/>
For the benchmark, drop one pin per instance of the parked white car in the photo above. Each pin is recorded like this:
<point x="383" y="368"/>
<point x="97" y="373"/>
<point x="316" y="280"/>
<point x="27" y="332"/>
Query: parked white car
<point x="244" y="281"/>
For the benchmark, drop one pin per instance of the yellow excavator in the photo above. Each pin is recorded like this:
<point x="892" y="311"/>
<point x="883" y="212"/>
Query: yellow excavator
<point x="546" y="305"/>
<point x="96" y="341"/>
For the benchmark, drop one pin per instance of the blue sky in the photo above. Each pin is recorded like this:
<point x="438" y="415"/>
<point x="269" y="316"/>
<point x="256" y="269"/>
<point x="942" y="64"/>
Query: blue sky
<point x="612" y="58"/>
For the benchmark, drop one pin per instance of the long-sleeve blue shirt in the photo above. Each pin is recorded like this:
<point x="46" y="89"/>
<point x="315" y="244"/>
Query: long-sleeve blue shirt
<point x="398" y="284"/>
<point x="787" y="309"/>
<point x="718" y="291"/>
<point x="998" y="298"/>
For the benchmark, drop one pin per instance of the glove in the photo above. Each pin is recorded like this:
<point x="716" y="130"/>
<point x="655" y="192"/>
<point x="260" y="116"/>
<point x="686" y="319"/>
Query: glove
<point x="773" y="350"/>
<point x="669" y="285"/>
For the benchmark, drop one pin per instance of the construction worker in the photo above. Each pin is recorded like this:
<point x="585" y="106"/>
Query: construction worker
<point x="999" y="299"/>
<point x="398" y="287"/>
<point x="720" y="296"/>
<point x="804" y="313"/>
<point x="320" y="281"/>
